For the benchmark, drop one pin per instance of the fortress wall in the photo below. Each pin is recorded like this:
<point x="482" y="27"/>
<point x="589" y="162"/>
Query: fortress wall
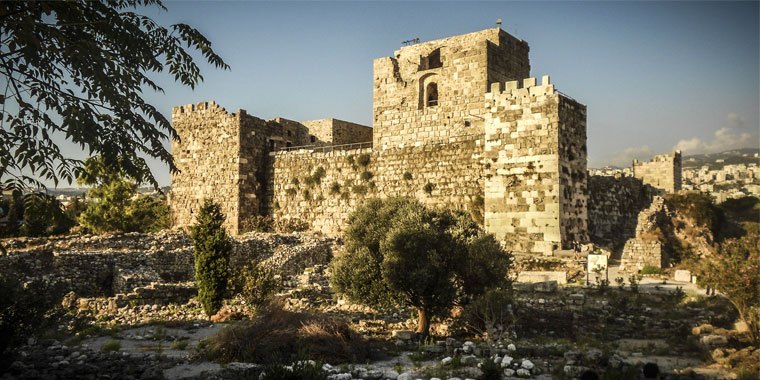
<point x="208" y="160"/>
<point x="572" y="171"/>
<point x="522" y="195"/>
<point x="255" y="137"/>
<point x="662" y="172"/>
<point x="437" y="174"/>
<point x="536" y="167"/>
<point x="614" y="204"/>
<point x="401" y="113"/>
<point x="345" y="132"/>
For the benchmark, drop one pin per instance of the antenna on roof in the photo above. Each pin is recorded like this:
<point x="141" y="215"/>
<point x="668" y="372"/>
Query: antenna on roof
<point x="410" y="42"/>
<point x="498" y="22"/>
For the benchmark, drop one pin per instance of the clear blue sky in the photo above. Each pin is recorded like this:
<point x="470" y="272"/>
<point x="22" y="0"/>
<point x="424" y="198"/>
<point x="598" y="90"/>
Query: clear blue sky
<point x="654" y="75"/>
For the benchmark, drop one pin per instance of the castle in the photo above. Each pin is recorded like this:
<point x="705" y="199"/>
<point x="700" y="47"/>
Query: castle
<point x="457" y="122"/>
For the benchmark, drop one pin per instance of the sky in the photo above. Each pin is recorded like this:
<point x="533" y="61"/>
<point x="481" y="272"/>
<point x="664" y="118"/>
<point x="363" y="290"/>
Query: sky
<point x="655" y="76"/>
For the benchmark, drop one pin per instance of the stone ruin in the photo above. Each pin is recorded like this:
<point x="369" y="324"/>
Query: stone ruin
<point x="148" y="269"/>
<point x="457" y="122"/>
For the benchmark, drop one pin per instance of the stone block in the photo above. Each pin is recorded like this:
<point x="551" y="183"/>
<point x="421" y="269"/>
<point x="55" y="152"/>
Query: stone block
<point x="682" y="275"/>
<point x="560" y="277"/>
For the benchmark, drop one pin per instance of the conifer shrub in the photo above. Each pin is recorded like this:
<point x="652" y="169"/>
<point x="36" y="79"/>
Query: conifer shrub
<point x="212" y="255"/>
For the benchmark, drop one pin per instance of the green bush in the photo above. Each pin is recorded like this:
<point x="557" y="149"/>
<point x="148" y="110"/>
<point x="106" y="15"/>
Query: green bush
<point x="258" y="285"/>
<point x="288" y="225"/>
<point x="334" y="188"/>
<point x="366" y="176"/>
<point x="113" y="204"/>
<point x="407" y="176"/>
<point x="735" y="271"/>
<point x="111" y="345"/>
<point x="44" y="215"/>
<point x="700" y="208"/>
<point x="300" y="370"/>
<point x="212" y="252"/>
<point x="359" y="189"/>
<point x="650" y="269"/>
<point x="363" y="160"/>
<point x="491" y="370"/>
<point x="398" y="252"/>
<point x="490" y="315"/>
<point x="258" y="223"/>
<point x="24" y="308"/>
<point x="428" y="188"/>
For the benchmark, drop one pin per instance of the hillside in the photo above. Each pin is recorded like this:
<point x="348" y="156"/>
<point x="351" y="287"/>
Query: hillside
<point x="729" y="157"/>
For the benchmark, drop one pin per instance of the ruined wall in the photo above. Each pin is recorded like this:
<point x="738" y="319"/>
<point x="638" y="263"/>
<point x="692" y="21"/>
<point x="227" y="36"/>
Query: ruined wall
<point x="662" y="171"/>
<point x="613" y="206"/>
<point x="437" y="174"/>
<point x="647" y="248"/>
<point x="459" y="69"/>
<point x="535" y="150"/>
<point x="94" y="266"/>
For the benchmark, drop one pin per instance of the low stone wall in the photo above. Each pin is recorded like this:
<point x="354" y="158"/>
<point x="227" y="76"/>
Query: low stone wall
<point x="639" y="253"/>
<point x="145" y="264"/>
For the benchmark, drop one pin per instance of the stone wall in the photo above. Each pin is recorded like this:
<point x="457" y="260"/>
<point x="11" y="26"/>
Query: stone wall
<point x="458" y="69"/>
<point x="515" y="158"/>
<point x="535" y="167"/>
<point x="143" y="266"/>
<point x="662" y="172"/>
<point x="208" y="160"/>
<point x="647" y="248"/>
<point x="613" y="206"/>
<point x="337" y="132"/>
<point x="440" y="174"/>
<point x="225" y="157"/>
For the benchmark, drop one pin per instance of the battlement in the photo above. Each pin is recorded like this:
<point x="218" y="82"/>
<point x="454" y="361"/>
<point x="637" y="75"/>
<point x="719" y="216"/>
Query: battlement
<point x="676" y="156"/>
<point x="529" y="88"/>
<point x="202" y="106"/>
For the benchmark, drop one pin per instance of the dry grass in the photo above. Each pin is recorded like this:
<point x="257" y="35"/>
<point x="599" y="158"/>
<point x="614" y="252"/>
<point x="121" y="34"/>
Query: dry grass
<point x="280" y="335"/>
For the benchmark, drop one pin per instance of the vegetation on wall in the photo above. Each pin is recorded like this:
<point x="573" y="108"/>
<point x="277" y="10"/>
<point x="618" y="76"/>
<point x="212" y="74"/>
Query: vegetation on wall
<point x="363" y="160"/>
<point x="398" y="252"/>
<point x="334" y="188"/>
<point x="428" y="188"/>
<point x="212" y="254"/>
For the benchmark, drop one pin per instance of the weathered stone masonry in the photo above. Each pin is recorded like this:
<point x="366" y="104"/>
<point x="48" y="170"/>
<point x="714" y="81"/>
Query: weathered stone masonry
<point x="443" y="131"/>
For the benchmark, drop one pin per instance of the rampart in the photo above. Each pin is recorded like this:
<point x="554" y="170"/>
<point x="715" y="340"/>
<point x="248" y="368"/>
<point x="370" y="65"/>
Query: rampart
<point x="444" y="132"/>
<point x="322" y="188"/>
<point x="662" y="172"/>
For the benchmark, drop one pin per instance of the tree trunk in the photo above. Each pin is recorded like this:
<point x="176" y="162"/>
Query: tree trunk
<point x="423" y="323"/>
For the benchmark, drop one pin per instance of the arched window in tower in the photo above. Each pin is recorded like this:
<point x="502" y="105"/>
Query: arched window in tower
<point x="431" y="94"/>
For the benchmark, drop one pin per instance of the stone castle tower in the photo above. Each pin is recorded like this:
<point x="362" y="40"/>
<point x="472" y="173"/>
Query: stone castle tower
<point x="457" y="122"/>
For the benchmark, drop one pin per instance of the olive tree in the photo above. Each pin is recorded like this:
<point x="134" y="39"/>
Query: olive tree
<point x="80" y="70"/>
<point x="398" y="252"/>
